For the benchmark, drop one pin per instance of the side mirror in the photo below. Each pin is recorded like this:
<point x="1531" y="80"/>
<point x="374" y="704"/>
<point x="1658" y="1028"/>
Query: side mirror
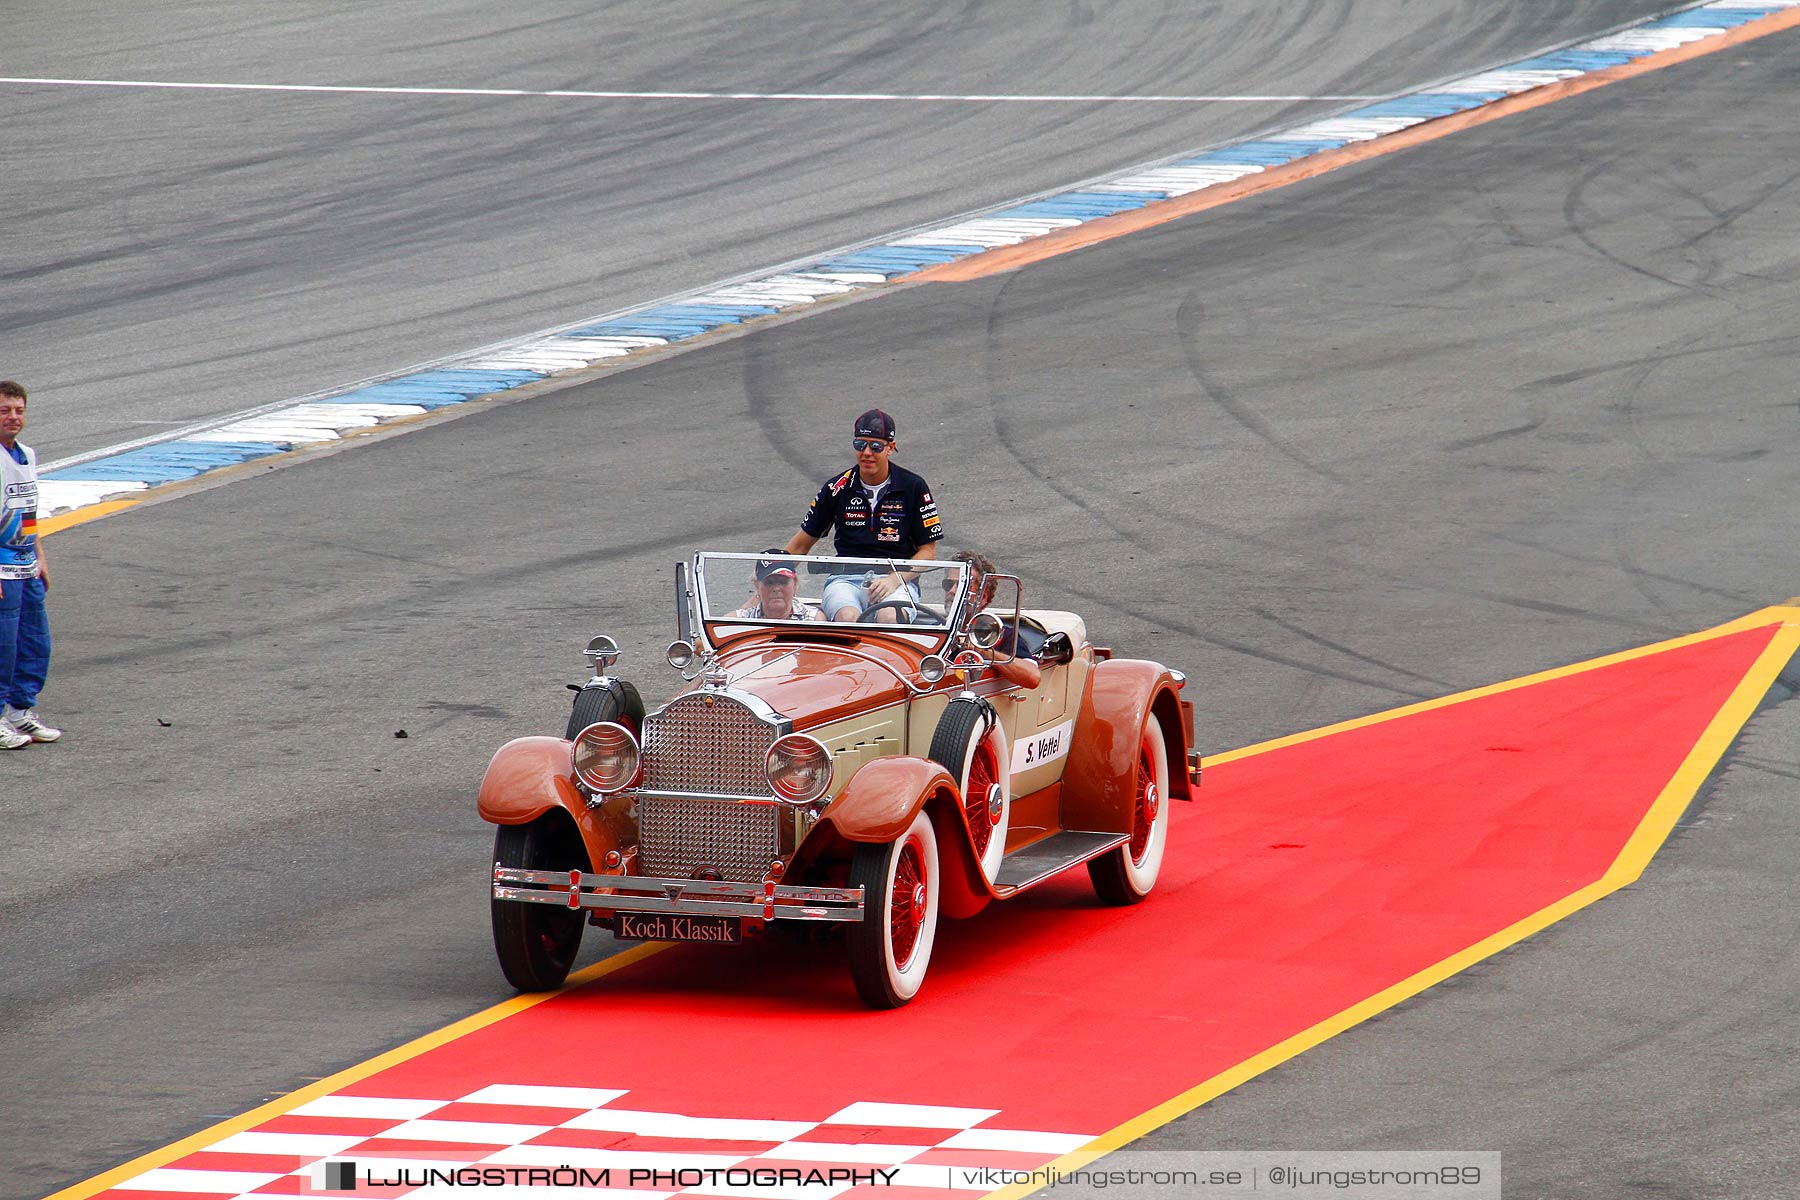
<point x="1057" y="649"/>
<point x="1005" y="600"/>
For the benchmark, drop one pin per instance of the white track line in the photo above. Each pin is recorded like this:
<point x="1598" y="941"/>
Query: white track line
<point x="859" y="97"/>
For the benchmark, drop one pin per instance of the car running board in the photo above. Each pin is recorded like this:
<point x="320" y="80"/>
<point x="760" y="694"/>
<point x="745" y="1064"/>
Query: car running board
<point x="1037" y="862"/>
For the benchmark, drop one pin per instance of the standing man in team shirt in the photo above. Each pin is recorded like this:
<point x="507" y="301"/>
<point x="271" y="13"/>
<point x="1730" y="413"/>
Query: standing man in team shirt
<point x="24" y="578"/>
<point x="879" y="511"/>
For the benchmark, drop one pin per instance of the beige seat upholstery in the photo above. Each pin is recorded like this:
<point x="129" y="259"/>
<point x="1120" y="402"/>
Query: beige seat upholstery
<point x="1055" y="621"/>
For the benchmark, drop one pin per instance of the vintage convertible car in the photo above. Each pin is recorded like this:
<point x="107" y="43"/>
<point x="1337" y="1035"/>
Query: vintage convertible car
<point x="873" y="776"/>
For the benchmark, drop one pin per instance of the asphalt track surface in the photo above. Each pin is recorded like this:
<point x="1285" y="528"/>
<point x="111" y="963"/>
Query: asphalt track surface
<point x="177" y="255"/>
<point x="1496" y="404"/>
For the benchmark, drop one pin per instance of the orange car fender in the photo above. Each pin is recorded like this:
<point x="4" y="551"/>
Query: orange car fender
<point x="883" y="797"/>
<point x="963" y="890"/>
<point x="529" y="776"/>
<point x="881" y="801"/>
<point x="1122" y="694"/>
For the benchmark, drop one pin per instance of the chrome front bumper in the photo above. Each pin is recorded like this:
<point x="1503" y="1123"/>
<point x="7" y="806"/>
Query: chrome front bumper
<point x="691" y="897"/>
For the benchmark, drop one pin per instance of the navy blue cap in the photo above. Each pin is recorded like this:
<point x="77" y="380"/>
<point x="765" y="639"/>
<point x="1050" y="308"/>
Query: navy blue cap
<point x="765" y="567"/>
<point x="875" y="423"/>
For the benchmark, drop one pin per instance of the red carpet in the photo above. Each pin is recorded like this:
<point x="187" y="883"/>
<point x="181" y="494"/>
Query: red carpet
<point x="1302" y="881"/>
<point x="1306" y="879"/>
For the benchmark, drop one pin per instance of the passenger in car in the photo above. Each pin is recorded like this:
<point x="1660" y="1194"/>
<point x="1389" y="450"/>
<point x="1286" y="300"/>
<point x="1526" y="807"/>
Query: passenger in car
<point x="1022" y="669"/>
<point x="776" y="596"/>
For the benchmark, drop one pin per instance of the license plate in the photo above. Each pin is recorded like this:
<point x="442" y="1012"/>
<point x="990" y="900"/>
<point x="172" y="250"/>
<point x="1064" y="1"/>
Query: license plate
<point x="676" y="927"/>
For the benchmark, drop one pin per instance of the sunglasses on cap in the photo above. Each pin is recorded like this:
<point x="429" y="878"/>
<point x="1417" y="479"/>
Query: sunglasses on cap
<point x="862" y="444"/>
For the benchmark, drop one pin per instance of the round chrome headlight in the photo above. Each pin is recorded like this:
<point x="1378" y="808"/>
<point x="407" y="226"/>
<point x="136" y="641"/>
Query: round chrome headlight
<point x="985" y="630"/>
<point x="932" y="668"/>
<point x="682" y="655"/>
<point x="606" y="756"/>
<point x="799" y="768"/>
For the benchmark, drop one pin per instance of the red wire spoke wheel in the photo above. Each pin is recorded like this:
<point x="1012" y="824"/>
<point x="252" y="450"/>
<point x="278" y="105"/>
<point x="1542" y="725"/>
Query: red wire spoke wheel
<point x="971" y="744"/>
<point x="1126" y="874"/>
<point x="890" y="948"/>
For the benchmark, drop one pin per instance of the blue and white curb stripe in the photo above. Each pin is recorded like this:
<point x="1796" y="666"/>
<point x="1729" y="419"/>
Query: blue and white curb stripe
<point x="120" y="471"/>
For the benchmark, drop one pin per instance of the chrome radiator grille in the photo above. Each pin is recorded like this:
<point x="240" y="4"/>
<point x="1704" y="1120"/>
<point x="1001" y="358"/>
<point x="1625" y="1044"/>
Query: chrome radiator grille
<point x="679" y="837"/>
<point x="696" y="746"/>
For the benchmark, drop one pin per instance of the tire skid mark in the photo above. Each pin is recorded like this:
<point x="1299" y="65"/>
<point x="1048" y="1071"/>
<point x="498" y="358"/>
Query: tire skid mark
<point x="1098" y="603"/>
<point x="1188" y="316"/>
<point x="1767" y="766"/>
<point x="1598" y="560"/>
<point x="1008" y="439"/>
<point x="1568" y="377"/>
<point x="1357" y="568"/>
<point x="1725" y="218"/>
<point x="1639" y="580"/>
<point x="1305" y="634"/>
<point x="1498" y="435"/>
<point x="760" y="383"/>
<point x="444" y="592"/>
<point x="1575" y="204"/>
<point x="1640" y="377"/>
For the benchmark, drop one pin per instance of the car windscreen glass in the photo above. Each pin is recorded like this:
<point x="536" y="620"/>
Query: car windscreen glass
<point x="792" y="587"/>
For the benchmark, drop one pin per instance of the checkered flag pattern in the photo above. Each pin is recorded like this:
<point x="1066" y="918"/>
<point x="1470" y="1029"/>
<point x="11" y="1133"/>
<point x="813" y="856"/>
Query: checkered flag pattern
<point x="302" y="1152"/>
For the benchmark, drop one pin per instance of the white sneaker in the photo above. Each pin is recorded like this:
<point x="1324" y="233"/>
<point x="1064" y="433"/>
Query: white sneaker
<point x="12" y="739"/>
<point x="25" y="721"/>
